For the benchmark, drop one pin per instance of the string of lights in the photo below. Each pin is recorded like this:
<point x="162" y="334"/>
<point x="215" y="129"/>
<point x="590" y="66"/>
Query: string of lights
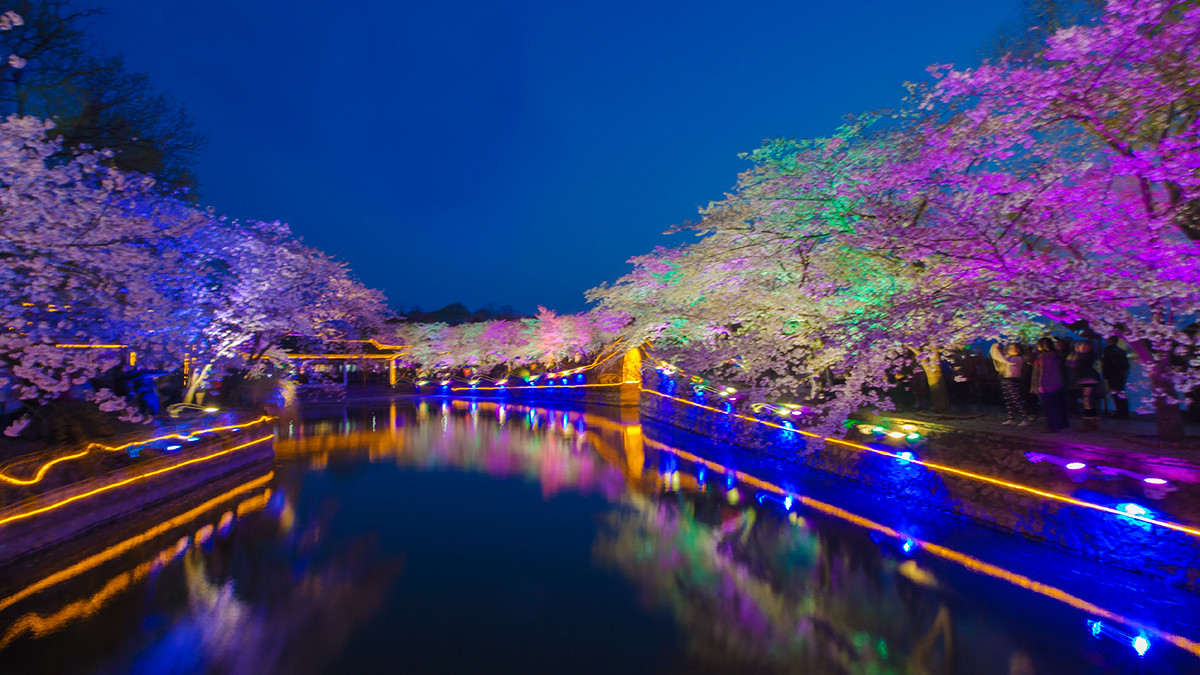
<point x="127" y="481"/>
<point x="45" y="467"/>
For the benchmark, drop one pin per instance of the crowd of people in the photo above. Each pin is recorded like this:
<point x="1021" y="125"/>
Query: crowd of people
<point x="1060" y="377"/>
<point x="1052" y="378"/>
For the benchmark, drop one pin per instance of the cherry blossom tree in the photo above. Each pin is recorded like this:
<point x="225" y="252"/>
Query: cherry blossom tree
<point x="259" y="285"/>
<point x="88" y="255"/>
<point x="788" y="280"/>
<point x="1063" y="188"/>
<point x="1073" y="183"/>
<point x="547" y="339"/>
<point x="94" y="263"/>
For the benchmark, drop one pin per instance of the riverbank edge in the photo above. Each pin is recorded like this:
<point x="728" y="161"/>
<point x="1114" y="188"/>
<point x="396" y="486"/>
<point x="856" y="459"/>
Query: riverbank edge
<point x="1167" y="555"/>
<point x="48" y="520"/>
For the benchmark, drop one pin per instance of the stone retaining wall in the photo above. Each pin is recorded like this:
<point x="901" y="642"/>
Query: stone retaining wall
<point x="64" y="513"/>
<point x="922" y="497"/>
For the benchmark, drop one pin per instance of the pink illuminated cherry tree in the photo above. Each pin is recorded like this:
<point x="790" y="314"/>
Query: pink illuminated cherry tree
<point x="1063" y="188"/>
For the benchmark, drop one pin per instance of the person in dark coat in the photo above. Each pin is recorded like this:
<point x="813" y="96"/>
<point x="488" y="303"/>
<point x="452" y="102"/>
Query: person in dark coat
<point x="1115" y="363"/>
<point x="1069" y="388"/>
<point x="1029" y="398"/>
<point x="1047" y="383"/>
<point x="1082" y="366"/>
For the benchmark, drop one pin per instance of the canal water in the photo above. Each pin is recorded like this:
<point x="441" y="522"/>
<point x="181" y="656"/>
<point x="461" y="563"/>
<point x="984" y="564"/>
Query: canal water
<point x="473" y="536"/>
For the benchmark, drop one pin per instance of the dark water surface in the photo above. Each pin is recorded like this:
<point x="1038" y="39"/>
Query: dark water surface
<point x="450" y="537"/>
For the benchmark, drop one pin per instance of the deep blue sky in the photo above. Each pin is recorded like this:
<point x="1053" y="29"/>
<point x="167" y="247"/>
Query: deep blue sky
<point x="514" y="153"/>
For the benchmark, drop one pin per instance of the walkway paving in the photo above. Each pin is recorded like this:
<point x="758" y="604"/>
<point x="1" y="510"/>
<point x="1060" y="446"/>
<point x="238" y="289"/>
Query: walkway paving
<point x="1132" y="440"/>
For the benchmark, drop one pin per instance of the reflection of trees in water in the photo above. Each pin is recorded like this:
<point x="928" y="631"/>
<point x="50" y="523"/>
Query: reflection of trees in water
<point x="753" y="591"/>
<point x="501" y="440"/>
<point x="293" y="618"/>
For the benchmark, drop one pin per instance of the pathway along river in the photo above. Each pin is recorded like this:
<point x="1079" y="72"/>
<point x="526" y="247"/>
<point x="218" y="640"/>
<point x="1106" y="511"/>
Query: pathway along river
<point x="458" y="536"/>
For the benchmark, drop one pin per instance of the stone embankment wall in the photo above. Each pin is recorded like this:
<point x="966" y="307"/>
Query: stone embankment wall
<point x="61" y="514"/>
<point x="927" y="501"/>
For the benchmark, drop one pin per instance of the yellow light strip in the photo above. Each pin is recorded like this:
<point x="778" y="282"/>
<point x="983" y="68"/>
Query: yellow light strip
<point x="969" y="562"/>
<point x="39" y="626"/>
<point x="129" y="544"/>
<point x="941" y="468"/>
<point x="92" y="346"/>
<point x="41" y="472"/>
<point x="127" y="481"/>
<point x="376" y="343"/>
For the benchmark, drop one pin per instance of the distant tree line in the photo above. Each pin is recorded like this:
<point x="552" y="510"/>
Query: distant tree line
<point x="457" y="313"/>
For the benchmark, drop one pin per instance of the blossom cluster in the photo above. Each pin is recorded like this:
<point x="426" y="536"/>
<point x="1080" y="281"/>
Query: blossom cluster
<point x="547" y="339"/>
<point x="96" y="265"/>
<point x="997" y="201"/>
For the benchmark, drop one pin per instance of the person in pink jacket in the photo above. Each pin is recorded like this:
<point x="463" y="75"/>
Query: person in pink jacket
<point x="1009" y="366"/>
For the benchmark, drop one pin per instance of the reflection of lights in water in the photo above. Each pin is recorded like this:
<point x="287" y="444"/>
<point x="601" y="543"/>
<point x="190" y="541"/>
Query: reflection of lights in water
<point x="39" y="625"/>
<point x="1075" y="466"/>
<point x="287" y="517"/>
<point x="968" y="562"/>
<point x="117" y="550"/>
<point x="910" y="570"/>
<point x="225" y="524"/>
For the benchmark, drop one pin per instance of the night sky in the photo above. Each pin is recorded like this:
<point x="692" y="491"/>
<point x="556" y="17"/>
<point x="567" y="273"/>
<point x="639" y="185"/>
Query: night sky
<point x="515" y="153"/>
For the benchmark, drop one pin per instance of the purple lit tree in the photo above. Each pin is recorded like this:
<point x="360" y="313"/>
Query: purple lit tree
<point x="1073" y="184"/>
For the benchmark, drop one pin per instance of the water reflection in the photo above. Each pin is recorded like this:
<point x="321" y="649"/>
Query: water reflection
<point x="293" y="622"/>
<point x="319" y="572"/>
<point x="552" y="447"/>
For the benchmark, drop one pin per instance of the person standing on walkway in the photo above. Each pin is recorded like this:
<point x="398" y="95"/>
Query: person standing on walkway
<point x="1115" y="363"/>
<point x="1070" y="389"/>
<point x="1009" y="366"/>
<point x="1082" y="364"/>
<point x="1047" y="383"/>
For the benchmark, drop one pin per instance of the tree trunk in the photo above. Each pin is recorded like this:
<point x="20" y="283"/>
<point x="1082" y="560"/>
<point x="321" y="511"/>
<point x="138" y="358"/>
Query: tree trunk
<point x="1168" y="419"/>
<point x="198" y="378"/>
<point x="939" y="395"/>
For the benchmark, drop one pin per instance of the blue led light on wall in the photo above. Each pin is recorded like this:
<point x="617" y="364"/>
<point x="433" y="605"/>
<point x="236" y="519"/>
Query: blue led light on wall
<point x="1131" y="509"/>
<point x="1139" y="642"/>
